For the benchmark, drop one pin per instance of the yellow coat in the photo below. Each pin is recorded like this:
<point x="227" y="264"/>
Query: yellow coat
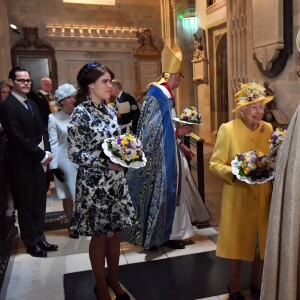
<point x="245" y="208"/>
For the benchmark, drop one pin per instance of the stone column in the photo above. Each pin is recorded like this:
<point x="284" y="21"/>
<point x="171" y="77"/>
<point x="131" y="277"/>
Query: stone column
<point x="237" y="45"/>
<point x="5" y="60"/>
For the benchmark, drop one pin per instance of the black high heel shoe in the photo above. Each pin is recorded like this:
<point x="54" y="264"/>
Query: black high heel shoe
<point x="123" y="296"/>
<point x="236" y="295"/>
<point x="73" y="234"/>
<point x="95" y="291"/>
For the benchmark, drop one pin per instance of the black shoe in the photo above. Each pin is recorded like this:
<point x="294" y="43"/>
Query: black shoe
<point x="200" y="225"/>
<point x="153" y="249"/>
<point x="44" y="245"/>
<point x="36" y="251"/>
<point x="123" y="296"/>
<point x="95" y="291"/>
<point x="236" y="296"/>
<point x="174" y="244"/>
<point x="254" y="291"/>
<point x="73" y="234"/>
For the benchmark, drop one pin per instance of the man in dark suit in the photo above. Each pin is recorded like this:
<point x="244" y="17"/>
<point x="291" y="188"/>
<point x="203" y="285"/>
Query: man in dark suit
<point x="28" y="150"/>
<point x="44" y="99"/>
<point x="127" y="109"/>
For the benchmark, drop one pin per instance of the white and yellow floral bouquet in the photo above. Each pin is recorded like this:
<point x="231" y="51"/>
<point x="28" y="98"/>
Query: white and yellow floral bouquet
<point x="127" y="147"/>
<point x="252" y="167"/>
<point x="277" y="137"/>
<point x="190" y="114"/>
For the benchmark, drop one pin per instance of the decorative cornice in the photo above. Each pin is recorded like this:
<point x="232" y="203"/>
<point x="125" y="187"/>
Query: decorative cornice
<point x="92" y="38"/>
<point x="60" y="30"/>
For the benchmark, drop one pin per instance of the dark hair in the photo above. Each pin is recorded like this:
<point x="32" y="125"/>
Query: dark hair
<point x="87" y="79"/>
<point x="13" y="71"/>
<point x="87" y="68"/>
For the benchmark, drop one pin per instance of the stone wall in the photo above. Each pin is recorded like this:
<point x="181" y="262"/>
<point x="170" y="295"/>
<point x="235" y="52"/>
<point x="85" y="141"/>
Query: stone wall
<point x="213" y="21"/>
<point x="126" y="13"/>
<point x="286" y="86"/>
<point x="241" y="65"/>
<point x="4" y="42"/>
<point x="92" y="31"/>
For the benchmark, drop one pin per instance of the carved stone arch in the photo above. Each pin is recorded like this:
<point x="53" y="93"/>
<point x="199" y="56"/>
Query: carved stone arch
<point x="35" y="54"/>
<point x="222" y="80"/>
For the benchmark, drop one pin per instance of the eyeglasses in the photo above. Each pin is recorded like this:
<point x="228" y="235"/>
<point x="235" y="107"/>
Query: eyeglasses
<point x="29" y="81"/>
<point x="181" y="75"/>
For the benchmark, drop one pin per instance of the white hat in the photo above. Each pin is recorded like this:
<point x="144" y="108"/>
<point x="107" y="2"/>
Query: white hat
<point x="64" y="91"/>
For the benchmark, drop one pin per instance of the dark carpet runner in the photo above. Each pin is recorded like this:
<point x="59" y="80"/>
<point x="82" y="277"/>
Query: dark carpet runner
<point x="186" y="277"/>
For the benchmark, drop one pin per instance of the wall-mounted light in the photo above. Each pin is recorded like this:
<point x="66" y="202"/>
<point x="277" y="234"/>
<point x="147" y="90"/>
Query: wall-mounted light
<point x="14" y="28"/>
<point x="298" y="47"/>
<point x="189" y="22"/>
<point x="94" y="2"/>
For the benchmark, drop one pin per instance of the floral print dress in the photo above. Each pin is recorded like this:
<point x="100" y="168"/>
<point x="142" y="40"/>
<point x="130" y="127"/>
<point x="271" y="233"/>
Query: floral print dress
<point x="102" y="203"/>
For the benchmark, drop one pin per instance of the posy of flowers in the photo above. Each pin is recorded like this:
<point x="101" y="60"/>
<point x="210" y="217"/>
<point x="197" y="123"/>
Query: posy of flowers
<point x="253" y="164"/>
<point x="191" y="114"/>
<point x="277" y="137"/>
<point x="127" y="147"/>
<point x="111" y="105"/>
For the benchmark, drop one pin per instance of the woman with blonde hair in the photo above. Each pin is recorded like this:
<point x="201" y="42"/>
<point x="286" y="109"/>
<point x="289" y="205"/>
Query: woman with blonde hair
<point x="5" y="89"/>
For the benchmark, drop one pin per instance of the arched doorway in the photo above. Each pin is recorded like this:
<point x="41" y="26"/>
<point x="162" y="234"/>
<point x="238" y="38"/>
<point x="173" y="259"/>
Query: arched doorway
<point x="221" y="80"/>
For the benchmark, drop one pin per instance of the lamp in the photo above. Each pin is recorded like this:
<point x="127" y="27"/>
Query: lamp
<point x="14" y="28"/>
<point x="94" y="2"/>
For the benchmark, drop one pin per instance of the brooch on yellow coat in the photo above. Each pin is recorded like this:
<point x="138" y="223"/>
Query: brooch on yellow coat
<point x="262" y="130"/>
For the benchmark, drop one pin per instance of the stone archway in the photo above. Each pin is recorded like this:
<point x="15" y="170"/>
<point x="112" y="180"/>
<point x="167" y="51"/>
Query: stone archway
<point x="218" y="78"/>
<point x="222" y="80"/>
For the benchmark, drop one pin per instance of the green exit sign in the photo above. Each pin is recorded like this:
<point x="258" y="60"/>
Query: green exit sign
<point x="188" y="22"/>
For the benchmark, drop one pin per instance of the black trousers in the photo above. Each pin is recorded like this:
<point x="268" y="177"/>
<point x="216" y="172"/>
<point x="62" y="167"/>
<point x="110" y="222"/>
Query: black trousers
<point x="30" y="201"/>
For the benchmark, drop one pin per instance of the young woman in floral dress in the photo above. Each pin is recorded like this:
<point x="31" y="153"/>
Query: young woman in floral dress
<point x="102" y="204"/>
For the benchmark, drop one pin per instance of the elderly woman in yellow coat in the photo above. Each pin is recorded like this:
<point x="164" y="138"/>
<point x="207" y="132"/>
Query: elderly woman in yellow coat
<point x="245" y="207"/>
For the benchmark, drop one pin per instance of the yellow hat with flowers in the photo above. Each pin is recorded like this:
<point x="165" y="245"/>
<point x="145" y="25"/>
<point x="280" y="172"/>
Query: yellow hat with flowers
<point x="250" y="93"/>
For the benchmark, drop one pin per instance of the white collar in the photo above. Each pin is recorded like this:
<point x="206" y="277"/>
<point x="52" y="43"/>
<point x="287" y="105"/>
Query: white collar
<point x="19" y="97"/>
<point x="164" y="90"/>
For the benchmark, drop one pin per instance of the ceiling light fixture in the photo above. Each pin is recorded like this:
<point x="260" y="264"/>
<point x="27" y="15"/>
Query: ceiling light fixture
<point x="94" y="2"/>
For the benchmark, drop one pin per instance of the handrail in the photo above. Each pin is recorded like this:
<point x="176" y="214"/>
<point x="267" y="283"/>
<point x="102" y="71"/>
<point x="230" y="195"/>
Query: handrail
<point x="197" y="142"/>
